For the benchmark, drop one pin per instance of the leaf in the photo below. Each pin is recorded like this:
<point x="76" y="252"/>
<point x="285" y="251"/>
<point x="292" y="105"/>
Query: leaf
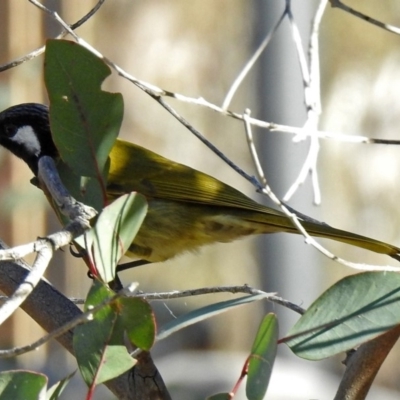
<point x="262" y="358"/>
<point x="98" y="344"/>
<point x="138" y="320"/>
<point x="79" y="108"/>
<point x="84" y="119"/>
<point x="22" y="385"/>
<point x="356" y="309"/>
<point x="203" y="313"/>
<point x="113" y="233"/>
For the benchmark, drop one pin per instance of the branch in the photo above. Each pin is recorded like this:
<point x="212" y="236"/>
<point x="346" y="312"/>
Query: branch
<point x="70" y="325"/>
<point x="363" y="365"/>
<point x="51" y="310"/>
<point x="364" y="17"/>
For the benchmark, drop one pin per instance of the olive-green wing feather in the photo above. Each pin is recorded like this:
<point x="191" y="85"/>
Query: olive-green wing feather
<point x="134" y="168"/>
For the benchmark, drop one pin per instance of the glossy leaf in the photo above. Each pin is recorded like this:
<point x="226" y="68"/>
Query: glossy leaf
<point x="356" y="309"/>
<point x="22" y="385"/>
<point x="262" y="358"/>
<point x="113" y="233"/>
<point x="203" y="313"/>
<point x="98" y="344"/>
<point x="138" y="321"/>
<point x="85" y="120"/>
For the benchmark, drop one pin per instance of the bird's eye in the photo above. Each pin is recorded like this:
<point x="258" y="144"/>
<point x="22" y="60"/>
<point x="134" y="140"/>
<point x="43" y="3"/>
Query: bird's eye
<point x="10" y="130"/>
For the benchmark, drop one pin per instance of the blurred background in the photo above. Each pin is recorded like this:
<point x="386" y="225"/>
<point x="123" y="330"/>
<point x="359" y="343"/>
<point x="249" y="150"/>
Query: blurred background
<point x="197" y="48"/>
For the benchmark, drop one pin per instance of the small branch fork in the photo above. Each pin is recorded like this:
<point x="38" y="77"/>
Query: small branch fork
<point x="79" y="216"/>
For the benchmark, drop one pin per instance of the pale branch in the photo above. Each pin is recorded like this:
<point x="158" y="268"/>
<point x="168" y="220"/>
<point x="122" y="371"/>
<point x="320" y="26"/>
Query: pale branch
<point x="31" y="280"/>
<point x="295" y="219"/>
<point x="364" y="17"/>
<point x="252" y="148"/>
<point x="78" y="213"/>
<point x="79" y="319"/>
<point x="67" y="204"/>
<point x="162" y="296"/>
<point x="51" y="310"/>
<point x="250" y="63"/>
<point x="312" y="98"/>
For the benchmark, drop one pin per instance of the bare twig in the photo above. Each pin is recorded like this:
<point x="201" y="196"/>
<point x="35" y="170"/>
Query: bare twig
<point x="78" y="213"/>
<point x="220" y="289"/>
<point x="364" y="17"/>
<point x="40" y="50"/>
<point x="70" y="207"/>
<point x="252" y="148"/>
<point x="312" y="99"/>
<point x="250" y="63"/>
<point x="84" y="317"/>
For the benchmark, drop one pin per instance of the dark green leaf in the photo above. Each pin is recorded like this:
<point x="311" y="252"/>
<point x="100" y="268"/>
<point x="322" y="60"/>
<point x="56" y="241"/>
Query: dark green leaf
<point x="203" y="313"/>
<point x="22" y="385"/>
<point x="85" y="120"/>
<point x="98" y="344"/>
<point x="262" y="358"/>
<point x="138" y="319"/>
<point x="356" y="309"/>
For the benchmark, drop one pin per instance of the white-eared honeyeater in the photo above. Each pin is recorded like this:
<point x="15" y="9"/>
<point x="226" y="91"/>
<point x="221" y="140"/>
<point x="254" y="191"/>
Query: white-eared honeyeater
<point x="186" y="208"/>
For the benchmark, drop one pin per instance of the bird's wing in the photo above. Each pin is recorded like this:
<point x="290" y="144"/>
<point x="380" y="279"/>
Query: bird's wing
<point x="133" y="168"/>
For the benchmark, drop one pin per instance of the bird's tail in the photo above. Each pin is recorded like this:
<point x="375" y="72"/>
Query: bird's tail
<point x="275" y="221"/>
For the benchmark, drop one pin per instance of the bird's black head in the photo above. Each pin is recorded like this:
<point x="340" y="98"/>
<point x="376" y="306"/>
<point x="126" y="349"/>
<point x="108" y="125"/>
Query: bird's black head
<point x="25" y="131"/>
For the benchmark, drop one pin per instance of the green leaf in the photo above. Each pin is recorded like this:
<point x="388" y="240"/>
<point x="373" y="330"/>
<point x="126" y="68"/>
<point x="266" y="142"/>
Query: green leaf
<point x="22" y="385"/>
<point x="113" y="233"/>
<point x="137" y="318"/>
<point x="356" y="309"/>
<point x="84" y="119"/>
<point x="203" y="313"/>
<point x="262" y="358"/>
<point x="98" y="344"/>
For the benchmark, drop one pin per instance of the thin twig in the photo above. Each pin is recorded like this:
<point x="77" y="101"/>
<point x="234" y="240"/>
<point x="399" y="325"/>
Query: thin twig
<point x="39" y="267"/>
<point x="220" y="289"/>
<point x="312" y="99"/>
<point x="79" y="215"/>
<point x="40" y="50"/>
<point x="252" y="148"/>
<point x="243" y="73"/>
<point x="84" y="317"/>
<point x="364" y="17"/>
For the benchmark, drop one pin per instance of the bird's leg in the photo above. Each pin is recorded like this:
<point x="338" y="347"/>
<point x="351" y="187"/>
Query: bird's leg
<point x="132" y="264"/>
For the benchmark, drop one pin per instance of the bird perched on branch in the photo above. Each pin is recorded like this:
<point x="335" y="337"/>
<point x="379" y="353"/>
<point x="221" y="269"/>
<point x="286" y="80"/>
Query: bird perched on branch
<point x="186" y="208"/>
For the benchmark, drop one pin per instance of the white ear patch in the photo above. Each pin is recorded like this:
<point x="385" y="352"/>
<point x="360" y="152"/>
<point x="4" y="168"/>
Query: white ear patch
<point x="26" y="137"/>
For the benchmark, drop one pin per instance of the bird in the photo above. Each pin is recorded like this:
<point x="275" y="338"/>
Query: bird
<point x="187" y="209"/>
